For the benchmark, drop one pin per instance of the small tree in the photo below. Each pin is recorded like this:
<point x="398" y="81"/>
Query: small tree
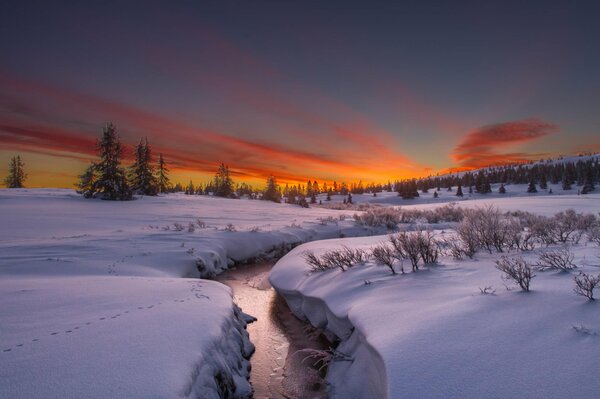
<point x="142" y="175"/>
<point x="531" y="188"/>
<point x="109" y="181"/>
<point x="502" y="189"/>
<point x="223" y="182"/>
<point x="459" y="192"/>
<point x="271" y="192"/>
<point x="164" y="184"/>
<point x="516" y="269"/>
<point x="16" y="173"/>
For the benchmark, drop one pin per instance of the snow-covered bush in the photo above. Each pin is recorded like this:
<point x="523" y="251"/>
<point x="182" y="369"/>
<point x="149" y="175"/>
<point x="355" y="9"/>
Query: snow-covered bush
<point x="556" y="259"/>
<point x="517" y="269"/>
<point x="388" y="217"/>
<point x="384" y="255"/>
<point x="178" y="227"/>
<point x="486" y="228"/>
<point x="200" y="223"/>
<point x="230" y="227"/>
<point x="191" y="228"/>
<point x="585" y="284"/>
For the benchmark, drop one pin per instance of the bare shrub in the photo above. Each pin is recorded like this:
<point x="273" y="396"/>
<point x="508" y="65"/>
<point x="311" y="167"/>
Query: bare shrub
<point x="315" y="263"/>
<point x="585" y="284"/>
<point x="326" y="220"/>
<point x="407" y="246"/>
<point x="343" y="258"/>
<point x="516" y="269"/>
<point x="388" y="217"/>
<point x="191" y="228"/>
<point x="556" y="259"/>
<point x="487" y="228"/>
<point x="254" y="229"/>
<point x="593" y="234"/>
<point x="453" y="247"/>
<point x="567" y="226"/>
<point x="450" y="212"/>
<point x="487" y="290"/>
<point x="178" y="227"/>
<point x="230" y="227"/>
<point x="384" y="255"/>
<point x="428" y="247"/>
<point x="200" y="223"/>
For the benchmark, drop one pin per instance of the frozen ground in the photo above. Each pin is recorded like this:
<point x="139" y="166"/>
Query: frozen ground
<point x="433" y="334"/>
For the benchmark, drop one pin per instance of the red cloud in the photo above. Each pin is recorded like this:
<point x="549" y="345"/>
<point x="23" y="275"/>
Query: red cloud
<point x="480" y="147"/>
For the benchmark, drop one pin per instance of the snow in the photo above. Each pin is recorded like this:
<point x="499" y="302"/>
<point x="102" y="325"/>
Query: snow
<point x="100" y="300"/>
<point x="433" y="334"/>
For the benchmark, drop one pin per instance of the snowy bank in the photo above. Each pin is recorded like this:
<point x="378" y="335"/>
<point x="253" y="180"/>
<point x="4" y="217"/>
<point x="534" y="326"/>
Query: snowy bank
<point x="101" y="299"/>
<point x="434" y="334"/>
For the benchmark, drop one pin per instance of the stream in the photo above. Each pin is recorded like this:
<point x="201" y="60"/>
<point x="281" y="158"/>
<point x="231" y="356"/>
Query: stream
<point x="278" y="371"/>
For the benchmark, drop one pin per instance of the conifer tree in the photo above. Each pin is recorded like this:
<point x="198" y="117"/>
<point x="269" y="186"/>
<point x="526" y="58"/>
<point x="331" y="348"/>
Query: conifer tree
<point x="531" y="188"/>
<point x="142" y="178"/>
<point x="16" y="173"/>
<point x="328" y="195"/>
<point x="164" y="183"/>
<point x="459" y="192"/>
<point x="543" y="182"/>
<point x="190" y="189"/>
<point x="223" y="182"/>
<point x="588" y="184"/>
<point x="110" y="182"/>
<point x="85" y="185"/>
<point x="271" y="192"/>
<point x="502" y="189"/>
<point x="566" y="183"/>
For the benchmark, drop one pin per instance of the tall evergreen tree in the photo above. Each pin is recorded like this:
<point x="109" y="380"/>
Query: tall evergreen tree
<point x="111" y="181"/>
<point x="566" y="183"/>
<point x="16" y="173"/>
<point x="223" y="182"/>
<point x="271" y="193"/>
<point x="142" y="178"/>
<point x="531" y="188"/>
<point x="588" y="184"/>
<point x="87" y="180"/>
<point x="164" y="184"/>
<point x="502" y="189"/>
<point x="543" y="182"/>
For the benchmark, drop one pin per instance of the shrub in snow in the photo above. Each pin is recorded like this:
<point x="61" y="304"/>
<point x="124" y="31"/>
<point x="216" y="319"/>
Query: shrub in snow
<point x="585" y="284"/>
<point x="453" y="247"/>
<point x="384" y="255"/>
<point x="200" y="223"/>
<point x="230" y="227"/>
<point x="343" y="258"/>
<point x="315" y="263"/>
<point x="486" y="228"/>
<point x="594" y="234"/>
<point x="487" y="290"/>
<point x="388" y="217"/>
<point x="516" y="269"/>
<point x="191" y="228"/>
<point x="178" y="227"/>
<point x="556" y="259"/>
<point x="407" y="246"/>
<point x="428" y="247"/>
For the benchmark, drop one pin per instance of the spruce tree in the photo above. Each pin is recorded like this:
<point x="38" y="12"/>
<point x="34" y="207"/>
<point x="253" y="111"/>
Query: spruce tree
<point x="142" y="178"/>
<point x="110" y="182"/>
<point x="223" y="182"/>
<point x="459" y="192"/>
<point x="190" y="189"/>
<point x="85" y="186"/>
<point x="531" y="188"/>
<point x="16" y="173"/>
<point x="566" y="183"/>
<point x="164" y="183"/>
<point x="502" y="189"/>
<point x="588" y="184"/>
<point x="328" y="195"/>
<point x="543" y="182"/>
<point x="271" y="192"/>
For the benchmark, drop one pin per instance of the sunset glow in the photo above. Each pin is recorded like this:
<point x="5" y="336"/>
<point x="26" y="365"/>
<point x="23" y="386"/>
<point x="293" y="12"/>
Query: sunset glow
<point x="274" y="89"/>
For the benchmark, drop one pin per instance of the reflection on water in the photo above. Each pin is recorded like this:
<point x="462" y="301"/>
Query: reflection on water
<point x="276" y="372"/>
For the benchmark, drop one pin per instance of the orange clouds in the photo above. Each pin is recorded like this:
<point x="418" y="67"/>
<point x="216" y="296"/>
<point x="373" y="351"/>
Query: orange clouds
<point x="481" y="146"/>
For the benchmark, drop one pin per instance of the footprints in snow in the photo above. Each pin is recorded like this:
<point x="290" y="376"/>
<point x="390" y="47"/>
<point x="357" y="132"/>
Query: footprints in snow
<point x="101" y="319"/>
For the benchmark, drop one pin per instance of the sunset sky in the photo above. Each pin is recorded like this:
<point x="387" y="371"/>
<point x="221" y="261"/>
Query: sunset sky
<point x="307" y="89"/>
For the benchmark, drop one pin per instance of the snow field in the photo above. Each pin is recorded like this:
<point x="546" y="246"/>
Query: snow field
<point x="433" y="334"/>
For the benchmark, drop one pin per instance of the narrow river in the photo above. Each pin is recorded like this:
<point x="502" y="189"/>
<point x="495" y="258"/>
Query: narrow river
<point x="278" y="372"/>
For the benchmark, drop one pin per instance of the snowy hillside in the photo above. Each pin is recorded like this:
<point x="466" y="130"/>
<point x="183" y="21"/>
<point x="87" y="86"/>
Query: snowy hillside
<point x="456" y="329"/>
